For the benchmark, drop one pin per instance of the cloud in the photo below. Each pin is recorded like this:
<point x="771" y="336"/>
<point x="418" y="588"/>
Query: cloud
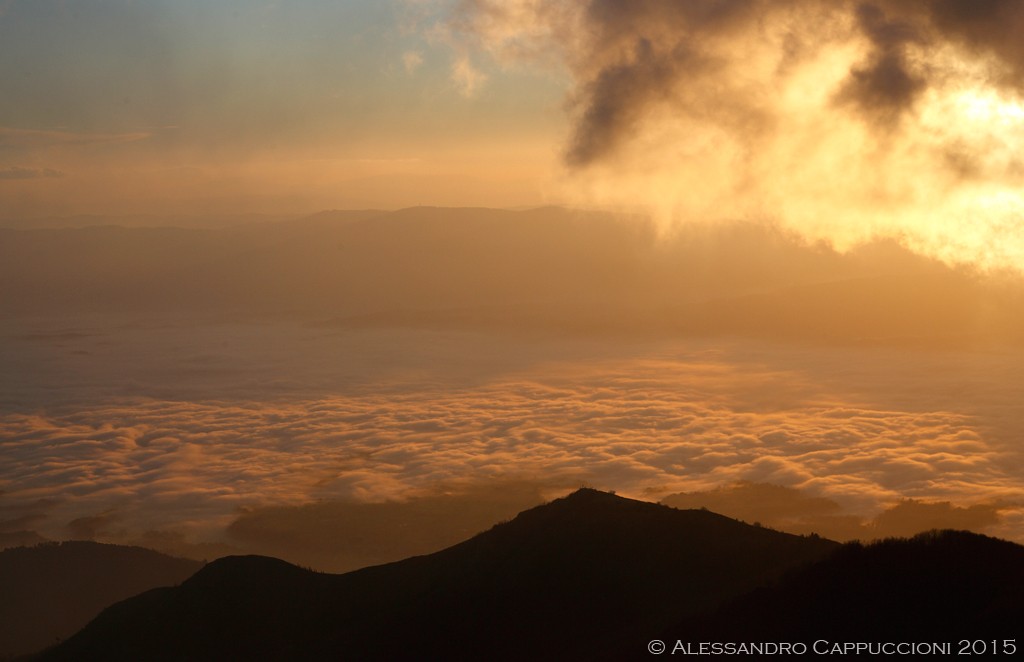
<point x="846" y="122"/>
<point x="884" y="86"/>
<point x="630" y="56"/>
<point x="467" y="77"/>
<point x="16" y="172"/>
<point x="19" y="518"/>
<point x="20" y="523"/>
<point x="411" y="61"/>
<point x="128" y="432"/>
<point x="176" y="543"/>
<point x="93" y="526"/>
<point x="749" y="501"/>
<point x="643" y="427"/>
<point x="991" y="26"/>
<point x="616" y="99"/>
<point x="912" y="516"/>
<point x="19" y="538"/>
<point x="795" y="511"/>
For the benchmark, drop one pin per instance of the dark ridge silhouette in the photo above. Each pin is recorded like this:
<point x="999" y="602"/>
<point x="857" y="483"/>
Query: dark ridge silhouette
<point x="376" y="533"/>
<point x="567" y="580"/>
<point x="591" y="576"/>
<point x="937" y="586"/>
<point x="791" y="510"/>
<point x="10" y="539"/>
<point x="50" y="591"/>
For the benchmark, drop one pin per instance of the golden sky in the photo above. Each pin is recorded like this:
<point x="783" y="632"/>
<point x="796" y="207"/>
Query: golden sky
<point x="844" y="121"/>
<point x="114" y="107"/>
<point x="764" y="138"/>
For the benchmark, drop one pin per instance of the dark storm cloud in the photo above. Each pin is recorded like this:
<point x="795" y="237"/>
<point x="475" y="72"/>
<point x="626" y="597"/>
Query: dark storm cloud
<point x="992" y="27"/>
<point x="616" y="98"/>
<point x="650" y="54"/>
<point x="629" y="59"/>
<point x="843" y="120"/>
<point x="884" y="86"/>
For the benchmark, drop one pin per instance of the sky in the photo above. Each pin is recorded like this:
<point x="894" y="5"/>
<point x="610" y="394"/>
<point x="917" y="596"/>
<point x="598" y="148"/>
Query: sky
<point x="154" y="106"/>
<point x="845" y="122"/>
<point x="811" y="281"/>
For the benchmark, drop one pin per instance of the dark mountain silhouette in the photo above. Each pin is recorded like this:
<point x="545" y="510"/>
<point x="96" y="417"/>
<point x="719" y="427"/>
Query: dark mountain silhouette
<point x="376" y="533"/>
<point x="938" y="586"/>
<point x="591" y="576"/>
<point x="50" y="591"/>
<point x="793" y="511"/>
<point x="571" y="579"/>
<point x="19" y="539"/>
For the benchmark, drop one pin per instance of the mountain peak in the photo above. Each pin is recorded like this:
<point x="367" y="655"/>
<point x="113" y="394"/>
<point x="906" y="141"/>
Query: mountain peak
<point x="591" y="495"/>
<point x="239" y="567"/>
<point x="589" y="567"/>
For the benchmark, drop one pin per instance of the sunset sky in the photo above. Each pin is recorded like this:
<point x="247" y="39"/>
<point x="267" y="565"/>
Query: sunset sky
<point x="150" y="106"/>
<point x="844" y="121"/>
<point x="729" y="246"/>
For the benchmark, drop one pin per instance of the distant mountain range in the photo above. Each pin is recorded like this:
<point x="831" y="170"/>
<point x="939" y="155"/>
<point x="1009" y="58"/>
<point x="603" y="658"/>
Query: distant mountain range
<point x="590" y="576"/>
<point x="549" y="269"/>
<point x="51" y="590"/>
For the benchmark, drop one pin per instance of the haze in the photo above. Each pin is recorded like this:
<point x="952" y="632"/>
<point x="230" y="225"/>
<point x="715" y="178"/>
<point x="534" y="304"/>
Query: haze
<point x="763" y="257"/>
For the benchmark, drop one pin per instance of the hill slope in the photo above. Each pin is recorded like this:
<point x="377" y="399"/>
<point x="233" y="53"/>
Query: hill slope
<point x="569" y="578"/>
<point x="591" y="576"/>
<point x="50" y="591"/>
<point x="938" y="587"/>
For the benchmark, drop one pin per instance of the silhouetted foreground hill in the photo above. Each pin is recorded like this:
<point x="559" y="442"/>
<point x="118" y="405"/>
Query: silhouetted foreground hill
<point x="591" y="576"/>
<point x="938" y="586"/>
<point x="567" y="580"/>
<point x="50" y="591"/>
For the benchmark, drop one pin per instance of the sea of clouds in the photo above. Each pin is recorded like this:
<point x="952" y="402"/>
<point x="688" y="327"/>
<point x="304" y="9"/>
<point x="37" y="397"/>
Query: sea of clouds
<point x="121" y="431"/>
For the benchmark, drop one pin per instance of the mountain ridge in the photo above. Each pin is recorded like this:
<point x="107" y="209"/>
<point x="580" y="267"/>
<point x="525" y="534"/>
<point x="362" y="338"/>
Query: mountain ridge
<point x="588" y="576"/>
<point x="591" y="565"/>
<point x="936" y="586"/>
<point x="51" y="590"/>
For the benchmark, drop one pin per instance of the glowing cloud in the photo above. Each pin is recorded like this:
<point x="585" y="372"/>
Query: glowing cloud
<point x="845" y="121"/>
